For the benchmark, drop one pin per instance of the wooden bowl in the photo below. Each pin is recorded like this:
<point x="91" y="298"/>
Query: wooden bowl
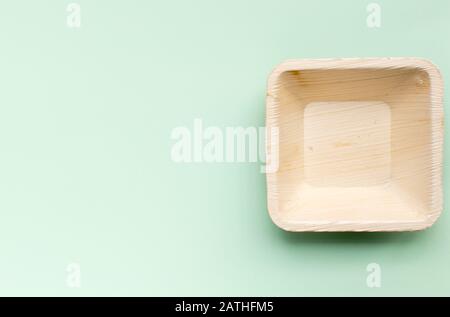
<point x="359" y="144"/>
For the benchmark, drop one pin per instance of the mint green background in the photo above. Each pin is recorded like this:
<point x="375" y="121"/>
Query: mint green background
<point x="85" y="169"/>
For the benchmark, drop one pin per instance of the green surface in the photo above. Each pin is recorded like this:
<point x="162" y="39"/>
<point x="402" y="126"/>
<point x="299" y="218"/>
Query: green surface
<point x="85" y="168"/>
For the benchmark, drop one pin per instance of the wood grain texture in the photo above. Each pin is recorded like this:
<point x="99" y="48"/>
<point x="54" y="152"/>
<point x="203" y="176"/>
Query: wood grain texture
<point x="360" y="144"/>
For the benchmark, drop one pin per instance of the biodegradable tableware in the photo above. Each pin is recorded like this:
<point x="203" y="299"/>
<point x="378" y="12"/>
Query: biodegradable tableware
<point x="359" y="144"/>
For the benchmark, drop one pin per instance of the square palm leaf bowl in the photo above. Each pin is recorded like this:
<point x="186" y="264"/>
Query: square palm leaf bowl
<point x="358" y="144"/>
